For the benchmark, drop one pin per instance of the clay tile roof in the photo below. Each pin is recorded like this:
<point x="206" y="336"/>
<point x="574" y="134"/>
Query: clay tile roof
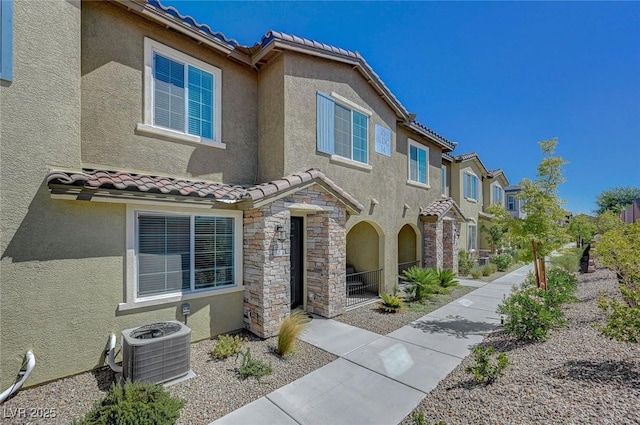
<point x="440" y="208"/>
<point x="292" y="181"/>
<point x="189" y="20"/>
<point x="132" y="182"/>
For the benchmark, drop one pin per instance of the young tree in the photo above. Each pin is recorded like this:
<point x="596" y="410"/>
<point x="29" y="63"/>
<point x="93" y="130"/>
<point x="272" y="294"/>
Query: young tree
<point x="617" y="199"/>
<point x="496" y="231"/>
<point x="582" y="228"/>
<point x="543" y="230"/>
<point x="608" y="220"/>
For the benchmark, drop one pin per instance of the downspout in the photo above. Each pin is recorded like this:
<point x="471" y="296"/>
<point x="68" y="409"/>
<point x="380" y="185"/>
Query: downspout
<point x="111" y="355"/>
<point x="23" y="375"/>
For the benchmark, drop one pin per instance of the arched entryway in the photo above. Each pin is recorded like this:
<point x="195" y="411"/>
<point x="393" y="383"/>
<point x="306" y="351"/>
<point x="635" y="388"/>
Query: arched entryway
<point x="407" y="248"/>
<point x="364" y="263"/>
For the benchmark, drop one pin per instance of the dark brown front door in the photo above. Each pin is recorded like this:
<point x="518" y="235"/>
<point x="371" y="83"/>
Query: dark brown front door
<point x="297" y="243"/>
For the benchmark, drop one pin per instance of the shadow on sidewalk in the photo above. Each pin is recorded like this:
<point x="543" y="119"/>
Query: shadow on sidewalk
<point x="456" y="326"/>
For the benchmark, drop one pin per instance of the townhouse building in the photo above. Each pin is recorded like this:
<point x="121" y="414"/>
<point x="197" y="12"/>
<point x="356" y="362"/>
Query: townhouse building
<point x="148" y="161"/>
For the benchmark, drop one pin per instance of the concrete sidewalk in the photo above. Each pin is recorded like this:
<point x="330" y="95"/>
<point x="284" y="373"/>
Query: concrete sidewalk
<point x="381" y="379"/>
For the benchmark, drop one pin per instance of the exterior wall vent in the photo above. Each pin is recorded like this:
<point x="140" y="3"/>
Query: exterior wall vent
<point x="156" y="353"/>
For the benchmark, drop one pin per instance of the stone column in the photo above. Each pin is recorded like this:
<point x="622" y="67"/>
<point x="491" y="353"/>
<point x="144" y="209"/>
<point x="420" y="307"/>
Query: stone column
<point x="326" y="262"/>
<point x="432" y="254"/>
<point x="266" y="269"/>
<point x="450" y="244"/>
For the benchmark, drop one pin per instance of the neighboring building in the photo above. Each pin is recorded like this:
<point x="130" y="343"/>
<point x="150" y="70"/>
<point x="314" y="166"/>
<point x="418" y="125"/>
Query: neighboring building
<point x="473" y="188"/>
<point x="513" y="203"/>
<point x="148" y="161"/>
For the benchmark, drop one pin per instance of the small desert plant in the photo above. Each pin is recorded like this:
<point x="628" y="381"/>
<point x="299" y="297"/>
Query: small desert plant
<point x="465" y="263"/>
<point x="418" y="418"/>
<point x="290" y="329"/>
<point x="623" y="319"/>
<point x="561" y="287"/>
<point x="488" y="366"/>
<point x="252" y="367"/>
<point x="447" y="278"/>
<point x="502" y="261"/>
<point x="135" y="403"/>
<point x="227" y="346"/>
<point x="390" y="303"/>
<point x="476" y="273"/>
<point x="530" y="316"/>
<point x="487" y="270"/>
<point x="421" y="283"/>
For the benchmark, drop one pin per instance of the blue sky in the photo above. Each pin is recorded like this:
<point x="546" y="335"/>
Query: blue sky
<point x="497" y="77"/>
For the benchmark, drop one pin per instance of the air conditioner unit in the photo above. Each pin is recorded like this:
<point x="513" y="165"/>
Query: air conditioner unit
<point x="156" y="353"/>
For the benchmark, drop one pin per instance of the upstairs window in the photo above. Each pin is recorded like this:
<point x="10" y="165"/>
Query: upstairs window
<point x="343" y="128"/>
<point x="470" y="186"/>
<point x="497" y="194"/>
<point x="183" y="94"/>
<point x="418" y="163"/>
<point x="6" y="40"/>
<point x="511" y="202"/>
<point x="443" y="179"/>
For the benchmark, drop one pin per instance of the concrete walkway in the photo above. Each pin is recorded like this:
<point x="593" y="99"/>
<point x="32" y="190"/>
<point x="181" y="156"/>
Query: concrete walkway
<point x="381" y="379"/>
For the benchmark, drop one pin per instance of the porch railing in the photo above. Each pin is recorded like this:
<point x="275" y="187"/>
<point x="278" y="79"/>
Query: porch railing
<point x="363" y="287"/>
<point x="407" y="265"/>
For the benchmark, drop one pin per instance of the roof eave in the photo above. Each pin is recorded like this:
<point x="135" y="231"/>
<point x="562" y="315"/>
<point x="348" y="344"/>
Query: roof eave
<point x="142" y="8"/>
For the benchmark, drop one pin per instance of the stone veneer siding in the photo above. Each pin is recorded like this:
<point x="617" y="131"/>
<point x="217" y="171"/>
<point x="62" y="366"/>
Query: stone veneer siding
<point x="267" y="269"/>
<point x="450" y="243"/>
<point x="432" y="251"/>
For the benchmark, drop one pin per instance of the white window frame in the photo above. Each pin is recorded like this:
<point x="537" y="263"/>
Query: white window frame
<point x="477" y="180"/>
<point x="352" y="106"/>
<point x="513" y="203"/>
<point x="132" y="300"/>
<point x="494" y="188"/>
<point x="472" y="243"/>
<point x="419" y="146"/>
<point x="148" y="127"/>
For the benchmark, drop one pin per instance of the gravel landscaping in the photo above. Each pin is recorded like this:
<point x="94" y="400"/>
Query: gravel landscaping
<point x="370" y="317"/>
<point x="575" y="377"/>
<point x="216" y="391"/>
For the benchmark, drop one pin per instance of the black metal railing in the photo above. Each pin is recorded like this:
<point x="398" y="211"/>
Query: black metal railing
<point x="362" y="287"/>
<point x="405" y="266"/>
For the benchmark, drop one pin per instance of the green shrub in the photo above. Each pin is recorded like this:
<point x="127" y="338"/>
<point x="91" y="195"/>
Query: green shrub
<point x="502" y="261"/>
<point x="447" y="278"/>
<point x="465" y="263"/>
<point x="486" y="270"/>
<point x="529" y="314"/>
<point x="476" y="273"/>
<point x="623" y="319"/>
<point x="488" y="366"/>
<point x="418" y="418"/>
<point x="227" y="346"/>
<point x="390" y="303"/>
<point x="135" y="403"/>
<point x="561" y="287"/>
<point x="421" y="283"/>
<point x="252" y="367"/>
<point x="290" y="329"/>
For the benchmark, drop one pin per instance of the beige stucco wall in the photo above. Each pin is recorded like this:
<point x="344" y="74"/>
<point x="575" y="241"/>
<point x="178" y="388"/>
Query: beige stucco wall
<point x="62" y="262"/>
<point x="112" y="102"/>
<point x="271" y="123"/>
<point x="407" y="244"/>
<point x="363" y="252"/>
<point x="470" y="208"/>
<point x="386" y="182"/>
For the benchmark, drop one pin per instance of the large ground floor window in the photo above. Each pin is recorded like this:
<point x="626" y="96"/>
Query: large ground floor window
<point x="181" y="253"/>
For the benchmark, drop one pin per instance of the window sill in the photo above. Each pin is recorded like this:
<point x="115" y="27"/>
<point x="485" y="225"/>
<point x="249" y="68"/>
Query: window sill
<point x="418" y="184"/>
<point x="172" y="298"/>
<point x="174" y="136"/>
<point x="475" y="201"/>
<point x="335" y="159"/>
